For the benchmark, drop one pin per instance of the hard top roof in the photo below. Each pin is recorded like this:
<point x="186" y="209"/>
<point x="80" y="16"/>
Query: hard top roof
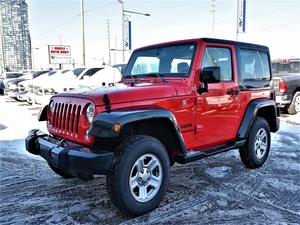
<point x="213" y="40"/>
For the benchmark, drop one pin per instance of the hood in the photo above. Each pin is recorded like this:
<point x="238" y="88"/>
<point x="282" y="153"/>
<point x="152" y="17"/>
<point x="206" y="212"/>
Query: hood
<point x="16" y="80"/>
<point x="122" y="92"/>
<point x="60" y="81"/>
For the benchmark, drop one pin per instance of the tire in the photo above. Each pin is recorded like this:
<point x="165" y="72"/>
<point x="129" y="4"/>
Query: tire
<point x="256" y="150"/>
<point x="139" y="162"/>
<point x="60" y="172"/>
<point x="294" y="107"/>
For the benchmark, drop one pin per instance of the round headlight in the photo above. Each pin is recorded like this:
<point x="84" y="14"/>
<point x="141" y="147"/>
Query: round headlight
<point x="52" y="106"/>
<point x="90" y="112"/>
<point x="13" y="86"/>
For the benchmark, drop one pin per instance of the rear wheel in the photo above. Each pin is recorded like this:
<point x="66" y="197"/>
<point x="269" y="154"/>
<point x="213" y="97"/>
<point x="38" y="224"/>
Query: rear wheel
<point x="294" y="107"/>
<point x="256" y="150"/>
<point x="140" y="175"/>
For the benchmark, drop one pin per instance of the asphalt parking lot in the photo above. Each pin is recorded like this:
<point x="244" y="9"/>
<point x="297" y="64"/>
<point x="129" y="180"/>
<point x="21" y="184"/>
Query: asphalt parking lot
<point x="215" y="190"/>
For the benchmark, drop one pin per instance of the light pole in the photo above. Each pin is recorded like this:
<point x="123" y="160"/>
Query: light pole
<point x="123" y="22"/>
<point x="32" y="57"/>
<point x="82" y="33"/>
<point x="213" y="11"/>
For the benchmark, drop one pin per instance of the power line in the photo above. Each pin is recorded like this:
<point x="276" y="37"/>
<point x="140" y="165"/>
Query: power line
<point x="277" y="26"/>
<point x="59" y="25"/>
<point x="73" y="18"/>
<point x="264" y="13"/>
<point x="100" y="7"/>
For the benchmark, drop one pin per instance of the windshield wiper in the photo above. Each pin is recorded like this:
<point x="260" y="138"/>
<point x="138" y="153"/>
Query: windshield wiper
<point x="159" y="75"/>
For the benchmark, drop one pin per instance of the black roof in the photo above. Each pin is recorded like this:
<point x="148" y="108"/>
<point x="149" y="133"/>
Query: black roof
<point x="238" y="44"/>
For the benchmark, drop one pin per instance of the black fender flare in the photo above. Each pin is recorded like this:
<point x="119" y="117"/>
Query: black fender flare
<point x="251" y="113"/>
<point x="43" y="114"/>
<point x="103" y="123"/>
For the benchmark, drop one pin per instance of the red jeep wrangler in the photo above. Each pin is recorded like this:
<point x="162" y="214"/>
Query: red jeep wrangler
<point x="177" y="102"/>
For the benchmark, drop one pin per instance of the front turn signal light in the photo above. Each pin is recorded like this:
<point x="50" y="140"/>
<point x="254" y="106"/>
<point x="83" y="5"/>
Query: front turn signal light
<point x="116" y="128"/>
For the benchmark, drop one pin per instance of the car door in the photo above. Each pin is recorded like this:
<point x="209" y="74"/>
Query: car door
<point x="217" y="110"/>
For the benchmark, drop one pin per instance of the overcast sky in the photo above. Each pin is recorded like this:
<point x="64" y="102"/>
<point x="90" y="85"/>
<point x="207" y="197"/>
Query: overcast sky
<point x="274" y="23"/>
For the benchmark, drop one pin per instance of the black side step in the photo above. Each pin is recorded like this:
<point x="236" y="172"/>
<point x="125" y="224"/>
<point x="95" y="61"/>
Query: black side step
<point x="200" y="154"/>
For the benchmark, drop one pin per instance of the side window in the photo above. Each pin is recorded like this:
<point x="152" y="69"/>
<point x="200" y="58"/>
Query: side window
<point x="254" y="65"/>
<point x="254" y="69"/>
<point x="88" y="73"/>
<point x="215" y="56"/>
<point x="93" y="71"/>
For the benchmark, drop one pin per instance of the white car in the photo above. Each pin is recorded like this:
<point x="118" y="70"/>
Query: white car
<point x="61" y="82"/>
<point x="5" y="77"/>
<point x="105" y="77"/>
<point x="26" y="88"/>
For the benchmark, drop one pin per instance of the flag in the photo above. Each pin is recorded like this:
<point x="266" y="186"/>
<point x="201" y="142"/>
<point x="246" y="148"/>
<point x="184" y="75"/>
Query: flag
<point x="241" y="16"/>
<point x="127" y="35"/>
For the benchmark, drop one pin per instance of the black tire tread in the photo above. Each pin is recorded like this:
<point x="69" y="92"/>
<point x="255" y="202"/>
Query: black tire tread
<point x="111" y="179"/>
<point x="245" y="153"/>
<point x="291" y="108"/>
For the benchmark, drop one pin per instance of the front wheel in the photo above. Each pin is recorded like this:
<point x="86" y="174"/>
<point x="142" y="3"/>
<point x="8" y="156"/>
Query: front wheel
<point x="140" y="175"/>
<point x="256" y="150"/>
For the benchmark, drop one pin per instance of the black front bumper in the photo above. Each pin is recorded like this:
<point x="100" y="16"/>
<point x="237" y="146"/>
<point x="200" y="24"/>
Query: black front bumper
<point x="75" y="160"/>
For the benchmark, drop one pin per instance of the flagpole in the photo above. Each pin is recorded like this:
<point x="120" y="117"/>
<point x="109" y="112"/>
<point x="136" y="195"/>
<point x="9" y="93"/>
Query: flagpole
<point x="237" y="19"/>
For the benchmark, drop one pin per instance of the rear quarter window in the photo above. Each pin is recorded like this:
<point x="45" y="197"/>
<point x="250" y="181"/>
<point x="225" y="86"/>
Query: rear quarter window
<point x="254" y="69"/>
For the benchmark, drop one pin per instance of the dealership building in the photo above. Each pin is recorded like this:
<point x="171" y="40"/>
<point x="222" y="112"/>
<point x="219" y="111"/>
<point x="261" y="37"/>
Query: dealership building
<point x="15" y="43"/>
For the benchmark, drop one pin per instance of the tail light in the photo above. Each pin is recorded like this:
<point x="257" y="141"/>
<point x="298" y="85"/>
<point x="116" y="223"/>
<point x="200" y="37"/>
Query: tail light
<point x="282" y="87"/>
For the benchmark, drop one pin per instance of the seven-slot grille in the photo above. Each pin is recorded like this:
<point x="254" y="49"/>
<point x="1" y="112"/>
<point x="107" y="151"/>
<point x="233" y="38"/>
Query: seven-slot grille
<point x="66" y="117"/>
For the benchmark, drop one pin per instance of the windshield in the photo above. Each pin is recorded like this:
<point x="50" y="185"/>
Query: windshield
<point x="285" y="66"/>
<point x="51" y="73"/>
<point x="171" y="60"/>
<point x="13" y="75"/>
<point x="78" y="71"/>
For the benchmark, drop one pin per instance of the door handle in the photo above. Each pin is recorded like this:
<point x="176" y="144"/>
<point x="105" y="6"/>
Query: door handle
<point x="233" y="92"/>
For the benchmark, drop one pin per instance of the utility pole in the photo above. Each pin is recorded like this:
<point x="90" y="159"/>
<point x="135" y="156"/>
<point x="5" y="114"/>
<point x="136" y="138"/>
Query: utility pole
<point x="108" y="36"/>
<point x="213" y="11"/>
<point x="82" y="34"/>
<point x="123" y="32"/>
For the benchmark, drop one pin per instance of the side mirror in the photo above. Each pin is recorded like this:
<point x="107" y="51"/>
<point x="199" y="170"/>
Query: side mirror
<point x="208" y="75"/>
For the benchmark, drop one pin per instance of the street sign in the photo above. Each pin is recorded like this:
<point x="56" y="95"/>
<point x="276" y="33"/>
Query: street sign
<point x="59" y="54"/>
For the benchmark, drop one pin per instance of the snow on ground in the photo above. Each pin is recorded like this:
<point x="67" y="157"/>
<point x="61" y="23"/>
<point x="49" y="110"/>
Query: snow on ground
<point x="215" y="190"/>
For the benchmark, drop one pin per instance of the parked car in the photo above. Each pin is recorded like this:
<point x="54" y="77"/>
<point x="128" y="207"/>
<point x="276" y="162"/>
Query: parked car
<point x="107" y="76"/>
<point x="286" y="83"/>
<point x="197" y="98"/>
<point x="61" y="82"/>
<point x="11" y="86"/>
<point x="5" y="77"/>
<point x="121" y="67"/>
<point x="27" y="88"/>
